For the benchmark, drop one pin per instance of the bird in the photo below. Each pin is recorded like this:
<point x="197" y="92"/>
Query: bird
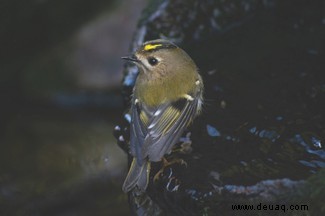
<point x="167" y="96"/>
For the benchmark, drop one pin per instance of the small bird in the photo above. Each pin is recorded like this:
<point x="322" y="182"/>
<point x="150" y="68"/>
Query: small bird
<point x="167" y="96"/>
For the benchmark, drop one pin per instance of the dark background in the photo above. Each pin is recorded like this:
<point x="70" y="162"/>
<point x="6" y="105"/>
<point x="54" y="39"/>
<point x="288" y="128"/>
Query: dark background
<point x="60" y="77"/>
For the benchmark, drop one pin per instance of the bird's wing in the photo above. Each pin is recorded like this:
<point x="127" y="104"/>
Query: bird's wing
<point x="138" y="130"/>
<point x="166" y="124"/>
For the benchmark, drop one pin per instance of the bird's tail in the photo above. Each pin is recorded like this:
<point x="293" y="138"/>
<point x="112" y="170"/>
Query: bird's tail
<point x="138" y="176"/>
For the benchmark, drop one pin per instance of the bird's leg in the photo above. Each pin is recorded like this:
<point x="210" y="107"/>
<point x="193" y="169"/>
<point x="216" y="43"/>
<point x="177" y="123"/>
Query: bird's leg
<point x="186" y="145"/>
<point x="166" y="163"/>
<point x="184" y="148"/>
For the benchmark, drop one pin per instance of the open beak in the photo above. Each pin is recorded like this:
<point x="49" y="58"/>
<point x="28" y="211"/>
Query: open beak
<point x="132" y="58"/>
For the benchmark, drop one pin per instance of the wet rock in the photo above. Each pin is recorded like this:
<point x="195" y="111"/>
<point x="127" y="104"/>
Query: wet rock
<point x="261" y="135"/>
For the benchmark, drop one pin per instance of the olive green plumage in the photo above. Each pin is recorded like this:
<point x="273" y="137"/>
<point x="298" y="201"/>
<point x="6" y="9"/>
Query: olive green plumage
<point x="166" y="98"/>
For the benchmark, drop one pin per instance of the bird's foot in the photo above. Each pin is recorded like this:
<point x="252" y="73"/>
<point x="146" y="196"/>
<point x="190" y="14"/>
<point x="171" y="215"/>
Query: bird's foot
<point x="166" y="163"/>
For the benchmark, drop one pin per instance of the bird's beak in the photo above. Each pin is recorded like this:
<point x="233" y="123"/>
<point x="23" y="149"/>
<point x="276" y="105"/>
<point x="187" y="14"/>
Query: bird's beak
<point x="132" y="58"/>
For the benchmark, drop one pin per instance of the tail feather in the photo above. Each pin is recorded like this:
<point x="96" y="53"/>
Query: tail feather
<point x="138" y="176"/>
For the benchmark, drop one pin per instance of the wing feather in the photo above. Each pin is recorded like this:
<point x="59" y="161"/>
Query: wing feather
<point x="154" y="131"/>
<point x="138" y="130"/>
<point x="166" y="128"/>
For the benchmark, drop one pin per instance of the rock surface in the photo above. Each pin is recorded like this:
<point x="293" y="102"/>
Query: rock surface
<point x="261" y="135"/>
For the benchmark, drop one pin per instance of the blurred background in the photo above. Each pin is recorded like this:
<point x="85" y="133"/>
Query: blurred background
<point x="60" y="77"/>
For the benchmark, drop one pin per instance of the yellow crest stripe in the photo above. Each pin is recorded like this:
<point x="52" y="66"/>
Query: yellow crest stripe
<point x="151" y="46"/>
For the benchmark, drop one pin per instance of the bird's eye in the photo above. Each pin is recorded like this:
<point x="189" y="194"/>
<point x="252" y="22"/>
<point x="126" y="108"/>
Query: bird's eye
<point x="152" y="61"/>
